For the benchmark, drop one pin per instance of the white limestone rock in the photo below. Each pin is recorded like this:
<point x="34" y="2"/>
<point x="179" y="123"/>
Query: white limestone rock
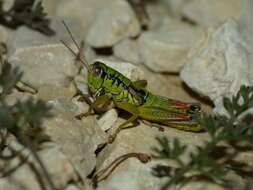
<point x="176" y="6"/>
<point x="108" y="119"/>
<point x="43" y="59"/>
<point x="245" y="26"/>
<point x="45" y="65"/>
<point x="132" y="174"/>
<point x="211" y="13"/>
<point x="77" y="139"/>
<point x="166" y="50"/>
<point x="156" y="12"/>
<point x="5" y="34"/>
<point x="58" y="166"/>
<point x="200" y="185"/>
<point x="82" y="83"/>
<point x="49" y="7"/>
<point x="84" y="11"/>
<point x="49" y="92"/>
<point x="16" y="96"/>
<point x="113" y="22"/>
<point x="219" y="65"/>
<point x="25" y="37"/>
<point x="7" y="4"/>
<point x="61" y="32"/>
<point x="127" y="50"/>
<point x="72" y="187"/>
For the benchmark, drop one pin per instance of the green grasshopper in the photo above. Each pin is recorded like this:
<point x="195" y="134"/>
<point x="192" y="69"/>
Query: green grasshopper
<point x="106" y="84"/>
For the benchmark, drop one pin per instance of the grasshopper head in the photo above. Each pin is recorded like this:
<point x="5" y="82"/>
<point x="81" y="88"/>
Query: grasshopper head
<point x="95" y="76"/>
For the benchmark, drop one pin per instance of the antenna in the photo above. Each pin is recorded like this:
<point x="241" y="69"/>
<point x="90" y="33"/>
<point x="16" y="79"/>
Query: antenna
<point x="83" y="61"/>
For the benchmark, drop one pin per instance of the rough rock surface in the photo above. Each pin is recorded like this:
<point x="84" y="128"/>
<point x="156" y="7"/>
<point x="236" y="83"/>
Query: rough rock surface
<point x="176" y="6"/>
<point x="219" y="65"/>
<point x="72" y="187"/>
<point x="127" y="50"/>
<point x="113" y="23"/>
<point x="216" y="67"/>
<point x="48" y="65"/>
<point x="49" y="92"/>
<point x="25" y="37"/>
<point x="166" y="50"/>
<point x="132" y="173"/>
<point x="5" y="34"/>
<point x="108" y="119"/>
<point x="83" y="11"/>
<point x="57" y="165"/>
<point x="210" y="14"/>
<point x="68" y="132"/>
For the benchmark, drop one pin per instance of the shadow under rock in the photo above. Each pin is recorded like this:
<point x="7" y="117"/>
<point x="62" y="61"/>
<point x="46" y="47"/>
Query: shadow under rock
<point x="202" y="99"/>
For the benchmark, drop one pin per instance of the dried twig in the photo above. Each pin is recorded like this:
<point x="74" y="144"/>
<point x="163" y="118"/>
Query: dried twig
<point x="104" y="173"/>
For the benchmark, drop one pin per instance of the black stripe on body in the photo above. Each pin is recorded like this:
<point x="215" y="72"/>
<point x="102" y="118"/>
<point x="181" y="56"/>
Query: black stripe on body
<point x="140" y="95"/>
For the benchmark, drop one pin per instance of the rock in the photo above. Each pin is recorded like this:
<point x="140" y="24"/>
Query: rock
<point x="176" y="6"/>
<point x="72" y="187"/>
<point x="15" y="96"/>
<point x="25" y="37"/>
<point x="59" y="168"/>
<point x="7" y="5"/>
<point x="58" y="165"/>
<point x="211" y="14"/>
<point x="166" y="50"/>
<point x="49" y="7"/>
<point x="246" y="29"/>
<point x="45" y="65"/>
<point x="219" y="65"/>
<point x="13" y="145"/>
<point x="83" y="11"/>
<point x="108" y="119"/>
<point x="199" y="185"/>
<point x="82" y="106"/>
<point x="68" y="132"/>
<point x="49" y="92"/>
<point x="5" y="34"/>
<point x="86" y="11"/>
<point x="114" y="22"/>
<point x="127" y="50"/>
<point x="156" y="12"/>
<point x="81" y="83"/>
<point x="61" y="32"/>
<point x="132" y="174"/>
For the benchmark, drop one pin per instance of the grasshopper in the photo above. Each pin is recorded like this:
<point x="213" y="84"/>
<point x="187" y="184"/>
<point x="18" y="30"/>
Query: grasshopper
<point x="106" y="84"/>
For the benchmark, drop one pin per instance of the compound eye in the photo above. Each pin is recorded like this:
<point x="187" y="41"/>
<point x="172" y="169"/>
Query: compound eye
<point x="97" y="70"/>
<point x="195" y="107"/>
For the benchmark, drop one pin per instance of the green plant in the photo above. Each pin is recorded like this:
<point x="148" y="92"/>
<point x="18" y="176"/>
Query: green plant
<point x="22" y="119"/>
<point x="205" y="162"/>
<point x="25" y="12"/>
